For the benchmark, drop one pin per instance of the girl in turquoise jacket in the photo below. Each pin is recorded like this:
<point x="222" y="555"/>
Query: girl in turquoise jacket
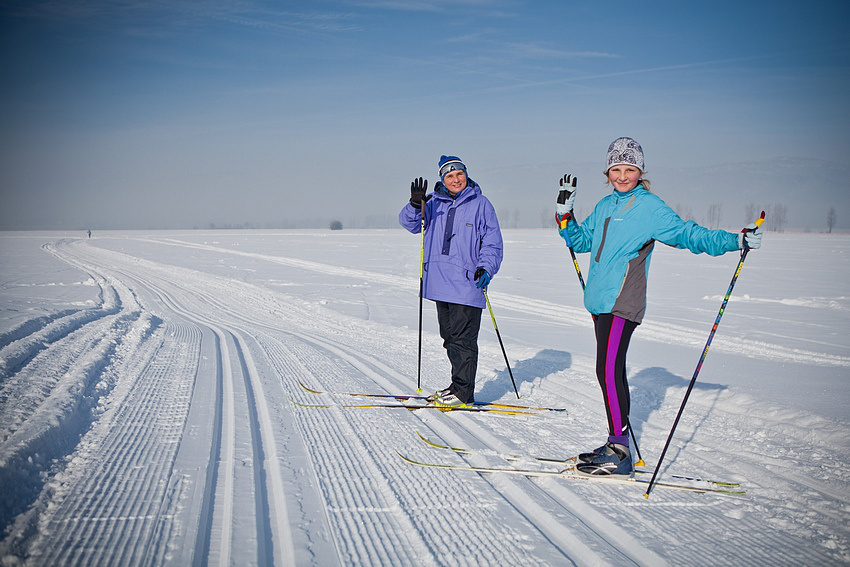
<point x="620" y="235"/>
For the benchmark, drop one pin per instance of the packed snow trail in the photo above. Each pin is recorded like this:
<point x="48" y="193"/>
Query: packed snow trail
<point x="161" y="424"/>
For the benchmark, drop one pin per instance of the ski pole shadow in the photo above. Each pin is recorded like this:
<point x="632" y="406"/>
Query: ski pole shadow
<point x="649" y="389"/>
<point x="544" y="363"/>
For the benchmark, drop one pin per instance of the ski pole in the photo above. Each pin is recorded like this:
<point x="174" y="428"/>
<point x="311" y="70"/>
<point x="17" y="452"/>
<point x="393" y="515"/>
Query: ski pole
<point x="421" y="277"/>
<point x="639" y="462"/>
<point x="501" y="344"/>
<point x="562" y="223"/>
<point x="744" y="252"/>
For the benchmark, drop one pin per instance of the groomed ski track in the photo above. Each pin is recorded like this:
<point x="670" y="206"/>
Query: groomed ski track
<point x="159" y="420"/>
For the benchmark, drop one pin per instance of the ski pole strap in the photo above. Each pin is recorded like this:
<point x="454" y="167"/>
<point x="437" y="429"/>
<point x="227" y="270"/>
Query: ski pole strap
<point x="563" y="220"/>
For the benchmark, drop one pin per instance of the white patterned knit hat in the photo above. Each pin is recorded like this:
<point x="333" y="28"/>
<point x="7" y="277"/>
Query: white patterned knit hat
<point x="625" y="151"/>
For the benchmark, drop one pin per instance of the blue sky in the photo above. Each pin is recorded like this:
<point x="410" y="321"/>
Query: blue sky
<point x="178" y="114"/>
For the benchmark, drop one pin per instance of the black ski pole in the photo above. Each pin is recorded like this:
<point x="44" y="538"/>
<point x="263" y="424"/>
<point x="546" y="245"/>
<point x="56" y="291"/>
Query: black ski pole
<point x="640" y="461"/>
<point x="421" y="276"/>
<point x="744" y="253"/>
<point x="563" y="195"/>
<point x="501" y="344"/>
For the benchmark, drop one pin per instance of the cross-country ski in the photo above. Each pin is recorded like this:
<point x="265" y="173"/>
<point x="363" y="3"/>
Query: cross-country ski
<point x="571" y="474"/>
<point x="566" y="462"/>
<point x="404" y="397"/>
<point x="416" y="406"/>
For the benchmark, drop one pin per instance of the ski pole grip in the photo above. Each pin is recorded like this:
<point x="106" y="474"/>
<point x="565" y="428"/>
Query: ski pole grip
<point x="758" y="222"/>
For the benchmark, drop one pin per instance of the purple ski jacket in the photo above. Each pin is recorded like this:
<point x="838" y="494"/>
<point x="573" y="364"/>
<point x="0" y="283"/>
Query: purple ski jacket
<point x="461" y="235"/>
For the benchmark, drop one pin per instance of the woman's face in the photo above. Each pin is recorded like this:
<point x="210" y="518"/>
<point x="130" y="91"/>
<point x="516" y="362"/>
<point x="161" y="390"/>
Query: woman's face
<point x="455" y="181"/>
<point x="624" y="178"/>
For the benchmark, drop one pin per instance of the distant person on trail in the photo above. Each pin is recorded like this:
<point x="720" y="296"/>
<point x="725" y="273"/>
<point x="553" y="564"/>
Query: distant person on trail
<point x="620" y="234"/>
<point x="89" y="233"/>
<point x="462" y="252"/>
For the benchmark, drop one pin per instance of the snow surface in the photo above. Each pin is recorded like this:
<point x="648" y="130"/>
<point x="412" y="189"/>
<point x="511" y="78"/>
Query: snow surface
<point x="147" y="382"/>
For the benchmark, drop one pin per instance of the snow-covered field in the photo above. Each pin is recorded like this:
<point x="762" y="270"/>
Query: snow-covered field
<point x="147" y="382"/>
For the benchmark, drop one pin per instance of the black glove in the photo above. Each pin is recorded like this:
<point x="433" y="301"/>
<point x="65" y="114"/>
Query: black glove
<point x="418" y="188"/>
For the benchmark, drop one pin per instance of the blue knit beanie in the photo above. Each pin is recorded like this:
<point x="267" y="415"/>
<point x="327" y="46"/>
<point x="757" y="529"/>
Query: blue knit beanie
<point x="450" y="163"/>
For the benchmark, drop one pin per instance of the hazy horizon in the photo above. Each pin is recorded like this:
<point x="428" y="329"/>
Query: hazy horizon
<point x="125" y="115"/>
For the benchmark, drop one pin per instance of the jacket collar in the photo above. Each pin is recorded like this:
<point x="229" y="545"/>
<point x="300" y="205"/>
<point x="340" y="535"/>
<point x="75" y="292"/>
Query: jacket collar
<point x="471" y="190"/>
<point x="628" y="194"/>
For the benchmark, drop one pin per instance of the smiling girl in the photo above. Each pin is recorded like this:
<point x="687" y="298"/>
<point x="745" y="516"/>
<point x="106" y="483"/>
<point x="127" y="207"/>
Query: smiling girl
<point x="620" y="234"/>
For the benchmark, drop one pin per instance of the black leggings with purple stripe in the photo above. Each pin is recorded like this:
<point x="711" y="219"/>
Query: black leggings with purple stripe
<point x="613" y="334"/>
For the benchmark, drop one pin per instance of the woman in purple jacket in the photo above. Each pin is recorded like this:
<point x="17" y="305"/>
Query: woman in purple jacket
<point x="463" y="251"/>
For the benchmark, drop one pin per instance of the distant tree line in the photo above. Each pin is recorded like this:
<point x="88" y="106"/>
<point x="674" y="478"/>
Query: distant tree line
<point x="776" y="219"/>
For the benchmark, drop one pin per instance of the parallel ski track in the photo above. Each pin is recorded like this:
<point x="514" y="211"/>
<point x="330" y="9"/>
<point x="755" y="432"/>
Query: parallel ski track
<point x="335" y="358"/>
<point x="388" y="376"/>
<point x="242" y="386"/>
<point x="131" y="467"/>
<point x="331" y="463"/>
<point x="215" y="532"/>
<point x="269" y="498"/>
<point x="281" y="358"/>
<point x="402" y="551"/>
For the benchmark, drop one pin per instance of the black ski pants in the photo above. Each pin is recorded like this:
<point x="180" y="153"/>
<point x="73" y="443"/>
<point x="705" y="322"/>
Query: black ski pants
<point x="613" y="334"/>
<point x="459" y="326"/>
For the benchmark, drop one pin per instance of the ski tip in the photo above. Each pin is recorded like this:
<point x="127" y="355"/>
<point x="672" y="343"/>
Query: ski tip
<point x="311" y="390"/>
<point x="425" y="439"/>
<point x="406" y="459"/>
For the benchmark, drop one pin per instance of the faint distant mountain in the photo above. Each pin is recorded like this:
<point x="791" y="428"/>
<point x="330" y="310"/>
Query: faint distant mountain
<point x="806" y="187"/>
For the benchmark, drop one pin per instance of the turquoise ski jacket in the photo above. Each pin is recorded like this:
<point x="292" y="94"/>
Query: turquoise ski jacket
<point x="620" y="234"/>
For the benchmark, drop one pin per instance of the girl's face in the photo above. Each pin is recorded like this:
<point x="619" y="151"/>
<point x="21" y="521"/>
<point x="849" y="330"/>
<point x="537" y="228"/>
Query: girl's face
<point x="455" y="181"/>
<point x="624" y="178"/>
